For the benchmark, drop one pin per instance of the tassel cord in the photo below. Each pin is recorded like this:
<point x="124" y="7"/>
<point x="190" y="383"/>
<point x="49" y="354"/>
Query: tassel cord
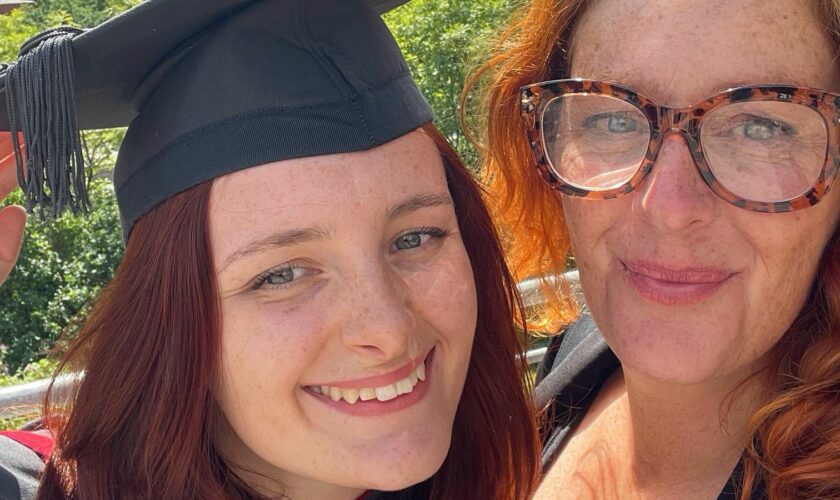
<point x="41" y="104"/>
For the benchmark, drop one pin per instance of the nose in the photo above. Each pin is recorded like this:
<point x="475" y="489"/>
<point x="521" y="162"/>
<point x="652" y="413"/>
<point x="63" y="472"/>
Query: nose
<point x="380" y="319"/>
<point x="673" y="196"/>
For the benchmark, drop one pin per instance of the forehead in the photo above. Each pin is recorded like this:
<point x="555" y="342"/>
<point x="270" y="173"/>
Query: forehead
<point x="331" y="191"/>
<point x="679" y="52"/>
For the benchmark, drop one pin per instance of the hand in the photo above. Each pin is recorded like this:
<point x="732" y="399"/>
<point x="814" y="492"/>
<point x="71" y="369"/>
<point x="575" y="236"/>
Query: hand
<point x="12" y="217"/>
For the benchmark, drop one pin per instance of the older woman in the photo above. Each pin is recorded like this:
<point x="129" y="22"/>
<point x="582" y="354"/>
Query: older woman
<point x="312" y="303"/>
<point x="687" y="152"/>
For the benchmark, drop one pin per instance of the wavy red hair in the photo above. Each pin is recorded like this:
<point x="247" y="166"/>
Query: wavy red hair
<point x="794" y="443"/>
<point x="139" y="424"/>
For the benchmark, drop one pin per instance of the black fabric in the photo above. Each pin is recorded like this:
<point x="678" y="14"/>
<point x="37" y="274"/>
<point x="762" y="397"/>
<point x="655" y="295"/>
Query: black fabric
<point x="20" y="468"/>
<point x="215" y="86"/>
<point x="417" y="492"/>
<point x="577" y="364"/>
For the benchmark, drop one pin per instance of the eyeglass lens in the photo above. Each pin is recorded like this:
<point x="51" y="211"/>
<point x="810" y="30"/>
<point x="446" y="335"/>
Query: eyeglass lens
<point x="764" y="151"/>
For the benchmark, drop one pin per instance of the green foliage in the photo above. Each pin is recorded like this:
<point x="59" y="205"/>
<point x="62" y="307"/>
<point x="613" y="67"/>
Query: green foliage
<point x="440" y="39"/>
<point x="36" y="370"/>
<point x="62" y="265"/>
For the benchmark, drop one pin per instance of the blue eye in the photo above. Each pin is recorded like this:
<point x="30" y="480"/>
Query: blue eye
<point x="279" y="277"/>
<point x="621" y="122"/>
<point x="411" y="240"/>
<point x="417" y="238"/>
<point x="763" y="129"/>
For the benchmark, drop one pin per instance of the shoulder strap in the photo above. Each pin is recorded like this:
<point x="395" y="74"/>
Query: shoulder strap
<point x="567" y="356"/>
<point x="561" y="344"/>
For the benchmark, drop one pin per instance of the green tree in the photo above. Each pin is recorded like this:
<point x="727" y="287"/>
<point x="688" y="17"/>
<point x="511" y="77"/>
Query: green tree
<point x="441" y="39"/>
<point x="62" y="265"/>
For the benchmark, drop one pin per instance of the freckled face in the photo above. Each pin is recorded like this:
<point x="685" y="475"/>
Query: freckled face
<point x="679" y="52"/>
<point x="346" y="272"/>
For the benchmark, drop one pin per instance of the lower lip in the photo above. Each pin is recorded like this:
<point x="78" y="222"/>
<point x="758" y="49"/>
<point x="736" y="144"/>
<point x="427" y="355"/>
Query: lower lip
<point x="671" y="292"/>
<point x="374" y="407"/>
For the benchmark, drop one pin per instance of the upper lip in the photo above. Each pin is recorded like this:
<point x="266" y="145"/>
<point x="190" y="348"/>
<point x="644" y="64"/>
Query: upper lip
<point x="379" y="380"/>
<point x="691" y="274"/>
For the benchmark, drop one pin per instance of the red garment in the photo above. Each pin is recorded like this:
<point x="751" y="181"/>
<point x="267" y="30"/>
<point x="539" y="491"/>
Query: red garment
<point x="39" y="443"/>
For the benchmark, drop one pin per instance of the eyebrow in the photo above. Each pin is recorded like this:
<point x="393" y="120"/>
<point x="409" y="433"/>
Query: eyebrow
<point x="305" y="235"/>
<point x="417" y="202"/>
<point x="279" y="240"/>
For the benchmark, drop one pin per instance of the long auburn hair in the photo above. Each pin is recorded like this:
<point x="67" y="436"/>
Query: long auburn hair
<point x="793" y="447"/>
<point x="139" y="424"/>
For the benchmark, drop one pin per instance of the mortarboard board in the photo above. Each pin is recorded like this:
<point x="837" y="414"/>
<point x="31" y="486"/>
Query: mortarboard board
<point x="207" y="87"/>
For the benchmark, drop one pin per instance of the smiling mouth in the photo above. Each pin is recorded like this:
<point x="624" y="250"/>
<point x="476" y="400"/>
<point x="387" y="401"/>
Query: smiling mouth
<point x="382" y="393"/>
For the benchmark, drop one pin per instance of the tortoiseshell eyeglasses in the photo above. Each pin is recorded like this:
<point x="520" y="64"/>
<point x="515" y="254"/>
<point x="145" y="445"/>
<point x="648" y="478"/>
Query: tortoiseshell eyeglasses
<point x="766" y="148"/>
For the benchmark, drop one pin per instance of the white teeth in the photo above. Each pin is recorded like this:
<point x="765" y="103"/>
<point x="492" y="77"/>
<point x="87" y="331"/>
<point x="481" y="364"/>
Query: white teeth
<point x="335" y="393"/>
<point x="384" y="393"/>
<point x="367" y="394"/>
<point x="404" y="386"/>
<point x="350" y="395"/>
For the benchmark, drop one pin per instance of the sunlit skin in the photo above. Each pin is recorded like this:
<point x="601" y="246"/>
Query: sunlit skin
<point x="655" y="430"/>
<point x="379" y="277"/>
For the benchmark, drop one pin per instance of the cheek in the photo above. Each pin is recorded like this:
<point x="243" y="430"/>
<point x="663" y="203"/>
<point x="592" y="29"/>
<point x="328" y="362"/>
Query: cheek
<point x="265" y="348"/>
<point x="589" y="223"/>
<point x="787" y="256"/>
<point x="444" y="294"/>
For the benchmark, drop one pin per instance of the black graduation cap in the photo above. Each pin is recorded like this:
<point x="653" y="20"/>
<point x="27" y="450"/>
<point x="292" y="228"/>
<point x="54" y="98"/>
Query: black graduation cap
<point x="207" y="87"/>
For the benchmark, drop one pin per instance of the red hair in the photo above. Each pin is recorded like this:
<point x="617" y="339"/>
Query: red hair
<point x="526" y="209"/>
<point x="140" y="423"/>
<point x="794" y="439"/>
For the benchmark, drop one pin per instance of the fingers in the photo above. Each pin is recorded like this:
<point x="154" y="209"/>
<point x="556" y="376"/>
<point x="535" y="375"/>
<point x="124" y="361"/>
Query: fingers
<point x="8" y="166"/>
<point x="12" y="224"/>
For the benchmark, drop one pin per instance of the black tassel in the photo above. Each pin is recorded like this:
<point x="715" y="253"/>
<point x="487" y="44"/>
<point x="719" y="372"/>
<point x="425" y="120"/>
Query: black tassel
<point x="41" y="103"/>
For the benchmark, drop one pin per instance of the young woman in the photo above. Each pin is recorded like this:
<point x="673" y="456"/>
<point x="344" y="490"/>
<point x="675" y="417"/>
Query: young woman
<point x="312" y="302"/>
<point x="694" y="148"/>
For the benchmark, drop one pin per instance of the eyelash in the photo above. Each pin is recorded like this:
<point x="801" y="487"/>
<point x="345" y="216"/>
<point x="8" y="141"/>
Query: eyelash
<point x="261" y="281"/>
<point x="434" y="232"/>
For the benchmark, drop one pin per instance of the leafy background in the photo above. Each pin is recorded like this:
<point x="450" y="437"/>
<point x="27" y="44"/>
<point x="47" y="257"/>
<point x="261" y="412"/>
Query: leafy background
<point x="65" y="263"/>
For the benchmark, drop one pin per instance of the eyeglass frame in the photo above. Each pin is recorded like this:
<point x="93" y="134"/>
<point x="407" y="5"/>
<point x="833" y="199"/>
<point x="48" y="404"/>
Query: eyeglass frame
<point x="686" y="121"/>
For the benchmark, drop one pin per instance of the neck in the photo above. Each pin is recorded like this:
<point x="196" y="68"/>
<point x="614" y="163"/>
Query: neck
<point x="683" y="434"/>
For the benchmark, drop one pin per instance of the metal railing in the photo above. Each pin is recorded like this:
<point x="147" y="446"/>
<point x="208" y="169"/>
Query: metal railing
<point x="26" y="399"/>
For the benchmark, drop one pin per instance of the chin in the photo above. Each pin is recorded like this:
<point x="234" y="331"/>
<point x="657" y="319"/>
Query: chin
<point x="398" y="462"/>
<point x="683" y="353"/>
<point x="413" y="469"/>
